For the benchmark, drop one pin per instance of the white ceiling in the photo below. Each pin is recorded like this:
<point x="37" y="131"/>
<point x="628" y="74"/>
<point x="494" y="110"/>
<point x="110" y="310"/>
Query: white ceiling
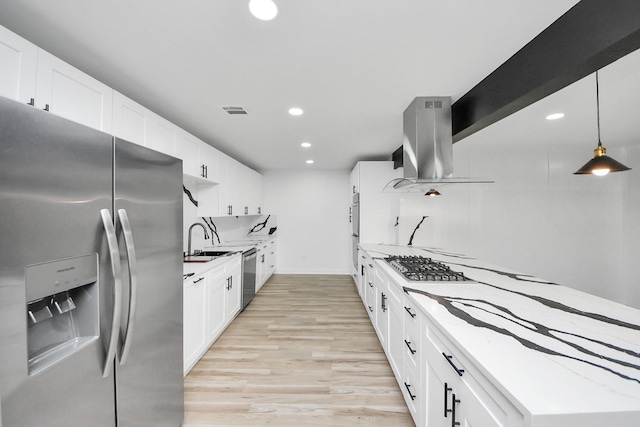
<point x="352" y="65"/>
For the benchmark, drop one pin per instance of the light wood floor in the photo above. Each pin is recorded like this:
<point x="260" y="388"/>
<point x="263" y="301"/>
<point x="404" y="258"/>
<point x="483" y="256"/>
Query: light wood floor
<point x="302" y="354"/>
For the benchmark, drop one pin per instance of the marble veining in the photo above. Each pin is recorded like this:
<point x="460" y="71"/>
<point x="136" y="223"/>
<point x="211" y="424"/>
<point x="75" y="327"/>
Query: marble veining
<point x="553" y="349"/>
<point x="464" y="308"/>
<point x="414" y="231"/>
<point x="189" y="195"/>
<point x="214" y="230"/>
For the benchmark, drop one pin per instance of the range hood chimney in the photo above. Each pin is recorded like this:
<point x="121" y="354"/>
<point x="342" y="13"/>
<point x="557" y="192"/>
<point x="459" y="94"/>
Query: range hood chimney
<point x="427" y="146"/>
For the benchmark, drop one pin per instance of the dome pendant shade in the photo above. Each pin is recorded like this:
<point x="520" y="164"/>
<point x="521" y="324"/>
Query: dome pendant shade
<point x="432" y="193"/>
<point x="601" y="164"/>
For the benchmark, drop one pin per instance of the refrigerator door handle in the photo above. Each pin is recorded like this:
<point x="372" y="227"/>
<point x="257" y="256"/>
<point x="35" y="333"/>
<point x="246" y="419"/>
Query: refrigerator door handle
<point x="133" y="282"/>
<point x="116" y="270"/>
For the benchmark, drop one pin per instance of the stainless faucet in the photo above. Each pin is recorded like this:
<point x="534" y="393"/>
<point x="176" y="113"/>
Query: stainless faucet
<point x="206" y="236"/>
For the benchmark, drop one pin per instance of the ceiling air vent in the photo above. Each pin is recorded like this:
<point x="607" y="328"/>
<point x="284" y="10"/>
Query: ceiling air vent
<point x="233" y="110"/>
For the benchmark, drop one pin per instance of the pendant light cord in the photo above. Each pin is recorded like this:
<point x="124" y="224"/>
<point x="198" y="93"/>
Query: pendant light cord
<point x="598" y="108"/>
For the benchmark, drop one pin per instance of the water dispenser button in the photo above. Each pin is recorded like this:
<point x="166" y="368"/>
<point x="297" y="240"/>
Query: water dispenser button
<point x="40" y="315"/>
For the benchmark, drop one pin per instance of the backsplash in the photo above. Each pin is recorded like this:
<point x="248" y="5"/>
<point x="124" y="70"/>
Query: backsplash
<point x="220" y="229"/>
<point x="414" y="230"/>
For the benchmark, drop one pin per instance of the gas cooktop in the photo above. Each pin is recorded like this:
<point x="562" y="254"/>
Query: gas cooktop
<point x="421" y="269"/>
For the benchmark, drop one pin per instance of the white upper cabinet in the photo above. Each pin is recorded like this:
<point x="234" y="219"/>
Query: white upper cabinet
<point x="34" y="76"/>
<point x="130" y="119"/>
<point x="18" y="63"/>
<point x="68" y="92"/>
<point x="209" y="159"/>
<point x="161" y="135"/>
<point x="137" y="124"/>
<point x="187" y="148"/>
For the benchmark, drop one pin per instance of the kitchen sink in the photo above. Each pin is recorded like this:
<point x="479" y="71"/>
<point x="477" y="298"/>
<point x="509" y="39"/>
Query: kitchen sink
<point x="206" y="256"/>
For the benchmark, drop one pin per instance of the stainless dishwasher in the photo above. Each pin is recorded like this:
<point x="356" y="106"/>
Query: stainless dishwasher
<point x="249" y="263"/>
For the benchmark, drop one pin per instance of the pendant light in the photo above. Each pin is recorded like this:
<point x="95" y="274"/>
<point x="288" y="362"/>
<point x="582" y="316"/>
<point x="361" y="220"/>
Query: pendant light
<point x="601" y="164"/>
<point x="432" y="193"/>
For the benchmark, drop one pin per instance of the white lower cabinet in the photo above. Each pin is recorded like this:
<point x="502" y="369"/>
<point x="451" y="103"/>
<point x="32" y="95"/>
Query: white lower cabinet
<point x="195" y="340"/>
<point x="381" y="291"/>
<point x="212" y="299"/>
<point x="265" y="262"/>
<point x="233" y="286"/>
<point x="441" y="387"/>
<point x="216" y="296"/>
<point x="457" y="393"/>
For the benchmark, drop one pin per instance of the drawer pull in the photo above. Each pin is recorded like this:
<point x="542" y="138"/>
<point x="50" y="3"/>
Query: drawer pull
<point x="408" y="310"/>
<point x="408" y="386"/>
<point x="408" y="343"/>
<point x="199" y="280"/>
<point x="370" y="284"/>
<point x="450" y="360"/>
<point x="370" y="308"/>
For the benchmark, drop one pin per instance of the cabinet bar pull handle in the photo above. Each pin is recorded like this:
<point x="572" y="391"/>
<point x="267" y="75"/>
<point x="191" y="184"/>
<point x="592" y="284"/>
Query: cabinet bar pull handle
<point x="454" y="423"/>
<point x="370" y="284"/>
<point x="46" y="107"/>
<point x="450" y="360"/>
<point x="32" y="102"/>
<point x="370" y="308"/>
<point x="408" y="386"/>
<point x="408" y="343"/>
<point x="408" y="310"/>
<point x="199" y="280"/>
<point x="447" y="389"/>
<point x="383" y="302"/>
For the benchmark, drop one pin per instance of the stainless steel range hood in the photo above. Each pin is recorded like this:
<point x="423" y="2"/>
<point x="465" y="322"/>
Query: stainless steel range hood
<point x="427" y="146"/>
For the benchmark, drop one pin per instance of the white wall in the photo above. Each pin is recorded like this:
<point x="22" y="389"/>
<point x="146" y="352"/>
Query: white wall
<point x="312" y="206"/>
<point x="538" y="217"/>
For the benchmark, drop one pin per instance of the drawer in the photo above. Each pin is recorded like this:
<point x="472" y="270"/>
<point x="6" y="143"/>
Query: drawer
<point x="412" y="316"/>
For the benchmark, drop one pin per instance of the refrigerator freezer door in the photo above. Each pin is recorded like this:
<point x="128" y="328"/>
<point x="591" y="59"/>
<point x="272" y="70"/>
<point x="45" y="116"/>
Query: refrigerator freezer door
<point x="148" y="186"/>
<point x="55" y="177"/>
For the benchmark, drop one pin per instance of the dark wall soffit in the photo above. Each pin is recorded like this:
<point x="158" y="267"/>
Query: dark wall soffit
<point x="591" y="35"/>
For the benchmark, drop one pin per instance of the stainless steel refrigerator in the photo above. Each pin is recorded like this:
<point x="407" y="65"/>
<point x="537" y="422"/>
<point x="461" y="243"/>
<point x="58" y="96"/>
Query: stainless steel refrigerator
<point x="90" y="277"/>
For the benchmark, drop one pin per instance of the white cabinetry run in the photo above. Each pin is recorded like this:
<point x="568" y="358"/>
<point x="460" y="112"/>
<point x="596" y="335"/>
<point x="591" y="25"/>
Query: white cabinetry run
<point x="212" y="299"/>
<point x="34" y="76"/>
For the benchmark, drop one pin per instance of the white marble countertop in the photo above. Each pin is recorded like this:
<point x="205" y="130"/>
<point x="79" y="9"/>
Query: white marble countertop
<point x="233" y="246"/>
<point x="549" y="348"/>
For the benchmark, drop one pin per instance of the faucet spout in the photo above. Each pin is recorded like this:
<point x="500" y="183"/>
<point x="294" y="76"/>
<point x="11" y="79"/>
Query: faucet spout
<point x="206" y="235"/>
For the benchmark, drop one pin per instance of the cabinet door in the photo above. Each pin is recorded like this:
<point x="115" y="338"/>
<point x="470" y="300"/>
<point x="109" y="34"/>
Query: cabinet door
<point x="130" y="119"/>
<point x="187" y="148"/>
<point x="194" y="318"/>
<point x="216" y="296"/>
<point x="18" y="63"/>
<point x="261" y="266"/>
<point x="271" y="257"/>
<point x="234" y="288"/>
<point x="68" y="92"/>
<point x="162" y="135"/>
<point x="396" y="341"/>
<point x="381" y="307"/>
<point x="224" y="204"/>
<point x="209" y="158"/>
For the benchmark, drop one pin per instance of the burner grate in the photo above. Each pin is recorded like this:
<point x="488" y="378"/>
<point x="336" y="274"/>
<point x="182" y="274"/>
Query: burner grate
<point x="421" y="269"/>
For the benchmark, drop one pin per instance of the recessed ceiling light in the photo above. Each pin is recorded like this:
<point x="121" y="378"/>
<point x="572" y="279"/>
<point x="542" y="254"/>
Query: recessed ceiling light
<point x="264" y="10"/>
<point x="295" y="111"/>
<point x="305" y="145"/>
<point x="555" y="116"/>
<point x="309" y="162"/>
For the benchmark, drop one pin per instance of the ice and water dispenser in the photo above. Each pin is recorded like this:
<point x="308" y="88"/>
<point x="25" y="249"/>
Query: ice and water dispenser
<point x="62" y="309"/>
